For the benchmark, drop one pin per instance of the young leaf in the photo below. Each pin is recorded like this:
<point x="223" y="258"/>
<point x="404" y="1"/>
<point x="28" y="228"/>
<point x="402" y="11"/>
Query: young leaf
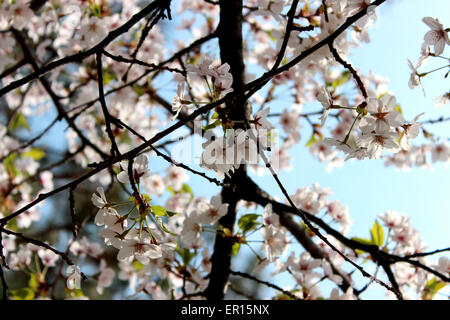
<point x="10" y="167"/>
<point x="363" y="241"/>
<point x="35" y="153"/>
<point x="377" y="234"/>
<point x="33" y="283"/>
<point x="137" y="265"/>
<point x="19" y="120"/>
<point x="163" y="227"/>
<point x="76" y="293"/>
<point x="344" y="78"/>
<point x="235" y="248"/>
<point x="247" y="222"/>
<point x="170" y="189"/>
<point x="314" y="138"/>
<point x="22" y="294"/>
<point x="171" y="213"/>
<point x="186" y="189"/>
<point x="398" y="108"/>
<point x="212" y="125"/>
<point x="431" y="288"/>
<point x="158" y="210"/>
<point x="186" y="255"/>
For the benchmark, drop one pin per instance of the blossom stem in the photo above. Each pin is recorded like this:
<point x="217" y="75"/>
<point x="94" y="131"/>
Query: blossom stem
<point x="116" y="204"/>
<point x="437" y="69"/>
<point x="254" y="252"/>
<point x="259" y="228"/>
<point x="351" y="128"/>
<point x="341" y="107"/>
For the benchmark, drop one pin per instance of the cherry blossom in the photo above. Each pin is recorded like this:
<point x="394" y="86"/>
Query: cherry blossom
<point x="437" y="36"/>
<point x="377" y="142"/>
<point x="411" y="132"/>
<point x="414" y="79"/>
<point x="19" y="14"/>
<point x="443" y="265"/>
<point x="443" y="100"/>
<point x="140" y="170"/>
<point x="275" y="241"/>
<point x="73" y="277"/>
<point x="176" y="177"/>
<point x="441" y="152"/>
<point x="178" y="100"/>
<point x="48" y="257"/>
<point x="93" y="31"/>
<point x="325" y="99"/>
<point x="105" y="277"/>
<point x="382" y="115"/>
<point x="99" y="200"/>
<point x="143" y="249"/>
<point x="260" y="121"/>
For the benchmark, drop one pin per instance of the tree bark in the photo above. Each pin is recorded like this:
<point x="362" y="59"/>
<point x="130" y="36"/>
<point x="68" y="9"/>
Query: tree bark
<point x="231" y="52"/>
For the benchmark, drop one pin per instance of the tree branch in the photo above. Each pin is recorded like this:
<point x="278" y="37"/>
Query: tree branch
<point x="155" y="5"/>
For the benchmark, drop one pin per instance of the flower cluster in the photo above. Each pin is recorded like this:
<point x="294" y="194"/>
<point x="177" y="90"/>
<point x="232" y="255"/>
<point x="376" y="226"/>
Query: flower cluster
<point x="438" y="38"/>
<point x="165" y="251"/>
<point x="209" y="73"/>
<point x="143" y="243"/>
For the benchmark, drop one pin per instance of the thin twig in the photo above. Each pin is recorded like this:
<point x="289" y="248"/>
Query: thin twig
<point x="270" y="285"/>
<point x="73" y="215"/>
<point x="114" y="148"/>
<point x="350" y="68"/>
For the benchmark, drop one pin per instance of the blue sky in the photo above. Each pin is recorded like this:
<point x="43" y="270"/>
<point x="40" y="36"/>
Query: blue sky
<point x="367" y="187"/>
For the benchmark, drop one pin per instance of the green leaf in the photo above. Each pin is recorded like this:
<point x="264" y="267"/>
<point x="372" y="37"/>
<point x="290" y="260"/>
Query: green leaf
<point x="314" y="138"/>
<point x="212" y="125"/>
<point x="137" y="265"/>
<point x="19" y="120"/>
<point x="146" y="197"/>
<point x="363" y="241"/>
<point x="431" y="288"/>
<point x="22" y="294"/>
<point x="186" y="189"/>
<point x="235" y="248"/>
<point x="161" y="224"/>
<point x="96" y="11"/>
<point x="270" y="35"/>
<point x="139" y="90"/>
<point x="33" y="283"/>
<point x="108" y="76"/>
<point x="12" y="225"/>
<point x="158" y="210"/>
<point x="171" y="213"/>
<point x="398" y="108"/>
<point x="10" y="167"/>
<point x="170" y="189"/>
<point x="35" y="153"/>
<point x="186" y="255"/>
<point x="248" y="222"/>
<point x="215" y="116"/>
<point x="344" y="78"/>
<point x="377" y="234"/>
<point x="76" y="293"/>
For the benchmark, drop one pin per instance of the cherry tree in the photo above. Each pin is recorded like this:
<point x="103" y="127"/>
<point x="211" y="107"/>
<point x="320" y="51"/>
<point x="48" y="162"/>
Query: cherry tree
<point x="129" y="95"/>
